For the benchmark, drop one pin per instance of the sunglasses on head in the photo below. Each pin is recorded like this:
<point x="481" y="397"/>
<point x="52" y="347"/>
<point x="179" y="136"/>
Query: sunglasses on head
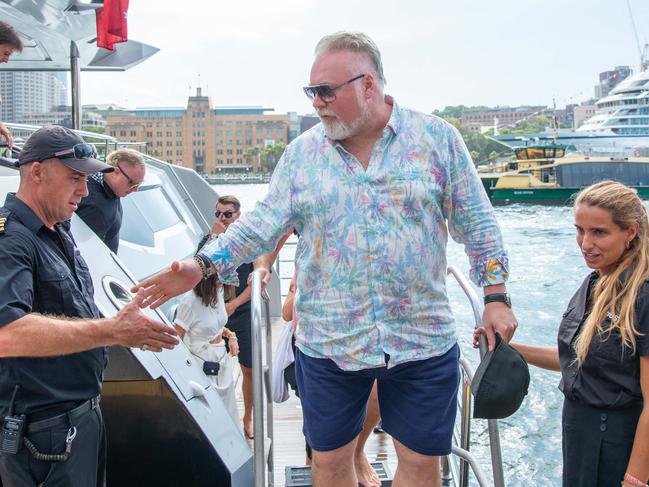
<point x="132" y="184"/>
<point x="326" y="93"/>
<point x="227" y="214"/>
<point x="78" y="151"/>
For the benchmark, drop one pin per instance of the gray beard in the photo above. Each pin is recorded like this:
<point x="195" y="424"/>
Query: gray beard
<point x="338" y="130"/>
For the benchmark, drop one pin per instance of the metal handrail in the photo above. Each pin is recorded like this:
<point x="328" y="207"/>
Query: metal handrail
<point x="494" y="436"/>
<point x="261" y="375"/>
<point x="27" y="128"/>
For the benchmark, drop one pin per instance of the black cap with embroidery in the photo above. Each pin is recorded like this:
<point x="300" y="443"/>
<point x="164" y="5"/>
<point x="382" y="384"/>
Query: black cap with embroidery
<point x="62" y="143"/>
<point x="500" y="383"/>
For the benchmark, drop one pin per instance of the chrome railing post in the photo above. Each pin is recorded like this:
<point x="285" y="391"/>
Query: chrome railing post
<point x="261" y="380"/>
<point x="465" y="422"/>
<point x="494" y="436"/>
<point x="269" y="395"/>
<point x="257" y="383"/>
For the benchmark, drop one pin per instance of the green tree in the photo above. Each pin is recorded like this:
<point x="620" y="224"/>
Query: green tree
<point x="96" y="130"/>
<point x="480" y="147"/>
<point x="271" y="154"/>
<point x="252" y="154"/>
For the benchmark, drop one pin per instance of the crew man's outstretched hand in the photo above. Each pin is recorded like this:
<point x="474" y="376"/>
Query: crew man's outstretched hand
<point x="132" y="328"/>
<point x="498" y="317"/>
<point x="181" y="277"/>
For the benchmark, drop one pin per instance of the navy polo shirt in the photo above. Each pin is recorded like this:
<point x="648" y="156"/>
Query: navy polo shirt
<point x="42" y="271"/>
<point x="101" y="210"/>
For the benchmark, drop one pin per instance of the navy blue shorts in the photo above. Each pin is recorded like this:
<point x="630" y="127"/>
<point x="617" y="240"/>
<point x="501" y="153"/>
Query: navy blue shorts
<point x="417" y="401"/>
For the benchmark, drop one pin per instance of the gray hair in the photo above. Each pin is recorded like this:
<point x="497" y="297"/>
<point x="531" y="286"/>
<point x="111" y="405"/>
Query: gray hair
<point x="355" y="42"/>
<point x="130" y="156"/>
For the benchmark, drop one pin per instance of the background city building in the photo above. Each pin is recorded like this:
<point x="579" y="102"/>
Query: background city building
<point x="28" y="92"/>
<point x="206" y="138"/>
<point x="609" y="80"/>
<point x="62" y="115"/>
<point x="583" y="112"/>
<point x="475" y="119"/>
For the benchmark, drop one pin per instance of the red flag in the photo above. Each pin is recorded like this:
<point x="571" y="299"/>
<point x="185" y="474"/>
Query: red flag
<point x="111" y="23"/>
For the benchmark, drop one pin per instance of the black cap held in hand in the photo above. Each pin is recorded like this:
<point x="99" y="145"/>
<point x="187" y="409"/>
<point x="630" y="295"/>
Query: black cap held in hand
<point x="500" y="383"/>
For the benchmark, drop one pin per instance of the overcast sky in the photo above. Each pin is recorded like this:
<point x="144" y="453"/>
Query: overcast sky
<point x="435" y="52"/>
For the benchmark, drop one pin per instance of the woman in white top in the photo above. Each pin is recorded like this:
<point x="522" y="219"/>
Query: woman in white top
<point x="200" y="322"/>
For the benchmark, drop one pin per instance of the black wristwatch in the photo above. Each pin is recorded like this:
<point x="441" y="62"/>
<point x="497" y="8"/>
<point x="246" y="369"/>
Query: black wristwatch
<point x="498" y="298"/>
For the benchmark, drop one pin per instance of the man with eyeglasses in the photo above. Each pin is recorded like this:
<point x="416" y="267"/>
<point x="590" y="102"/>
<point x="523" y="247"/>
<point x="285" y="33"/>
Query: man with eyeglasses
<point x="101" y="210"/>
<point x="374" y="192"/>
<point x="52" y="337"/>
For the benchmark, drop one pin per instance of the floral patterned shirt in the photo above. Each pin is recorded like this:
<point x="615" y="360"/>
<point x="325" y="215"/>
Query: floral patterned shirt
<point x="371" y="260"/>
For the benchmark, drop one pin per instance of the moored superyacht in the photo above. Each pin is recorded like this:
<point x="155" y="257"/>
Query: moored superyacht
<point x="620" y="126"/>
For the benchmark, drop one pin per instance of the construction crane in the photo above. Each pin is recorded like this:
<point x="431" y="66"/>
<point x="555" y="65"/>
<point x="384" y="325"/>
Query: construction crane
<point x="643" y="51"/>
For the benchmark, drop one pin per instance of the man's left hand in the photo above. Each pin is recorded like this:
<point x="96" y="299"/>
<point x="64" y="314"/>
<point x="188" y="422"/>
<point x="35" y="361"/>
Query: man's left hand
<point x="498" y="317"/>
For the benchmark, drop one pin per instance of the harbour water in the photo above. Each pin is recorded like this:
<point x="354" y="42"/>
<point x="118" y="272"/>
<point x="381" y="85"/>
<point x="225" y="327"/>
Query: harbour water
<point x="546" y="269"/>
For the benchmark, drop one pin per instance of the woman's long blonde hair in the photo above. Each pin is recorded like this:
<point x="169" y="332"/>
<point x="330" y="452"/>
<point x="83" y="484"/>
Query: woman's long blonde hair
<point x="615" y="293"/>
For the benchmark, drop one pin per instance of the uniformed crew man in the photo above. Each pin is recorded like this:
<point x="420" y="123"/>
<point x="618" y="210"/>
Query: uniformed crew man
<point x="52" y="339"/>
<point x="101" y="210"/>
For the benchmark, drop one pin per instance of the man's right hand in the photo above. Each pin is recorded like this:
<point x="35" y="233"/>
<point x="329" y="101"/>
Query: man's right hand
<point x="265" y="277"/>
<point x="181" y="277"/>
<point x="132" y="328"/>
<point x="218" y="227"/>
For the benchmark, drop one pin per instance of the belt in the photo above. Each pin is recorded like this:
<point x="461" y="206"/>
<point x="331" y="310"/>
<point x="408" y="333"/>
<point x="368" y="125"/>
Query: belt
<point x="63" y="418"/>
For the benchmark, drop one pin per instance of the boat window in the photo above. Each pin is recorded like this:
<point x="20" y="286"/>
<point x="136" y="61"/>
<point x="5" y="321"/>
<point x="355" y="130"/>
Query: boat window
<point x="145" y="212"/>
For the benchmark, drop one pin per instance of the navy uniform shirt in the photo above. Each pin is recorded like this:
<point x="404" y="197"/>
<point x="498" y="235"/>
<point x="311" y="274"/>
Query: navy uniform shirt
<point x="610" y="375"/>
<point x="42" y="271"/>
<point x="101" y="210"/>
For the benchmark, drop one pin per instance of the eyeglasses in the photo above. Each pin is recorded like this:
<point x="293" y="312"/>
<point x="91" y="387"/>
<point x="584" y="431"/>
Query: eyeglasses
<point x="78" y="151"/>
<point x="326" y="93"/>
<point x="132" y="184"/>
<point x="227" y="214"/>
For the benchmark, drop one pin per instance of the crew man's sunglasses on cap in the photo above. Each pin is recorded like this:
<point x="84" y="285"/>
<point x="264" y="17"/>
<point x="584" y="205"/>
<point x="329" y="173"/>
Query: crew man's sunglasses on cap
<point x="78" y="151"/>
<point x="227" y="214"/>
<point x="326" y="93"/>
<point x="132" y="183"/>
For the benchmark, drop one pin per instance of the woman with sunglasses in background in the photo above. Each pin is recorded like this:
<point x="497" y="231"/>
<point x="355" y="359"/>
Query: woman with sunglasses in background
<point x="101" y="210"/>
<point x="228" y="210"/>
<point x="603" y="344"/>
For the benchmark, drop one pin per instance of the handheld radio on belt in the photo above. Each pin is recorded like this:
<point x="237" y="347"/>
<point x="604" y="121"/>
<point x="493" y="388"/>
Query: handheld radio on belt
<point x="13" y="428"/>
<point x="13" y="436"/>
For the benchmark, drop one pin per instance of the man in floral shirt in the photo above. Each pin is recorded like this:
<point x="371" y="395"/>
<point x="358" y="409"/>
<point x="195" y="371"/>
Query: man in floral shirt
<point x="374" y="191"/>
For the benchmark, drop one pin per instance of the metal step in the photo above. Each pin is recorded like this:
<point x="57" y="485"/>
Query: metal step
<point x="300" y="476"/>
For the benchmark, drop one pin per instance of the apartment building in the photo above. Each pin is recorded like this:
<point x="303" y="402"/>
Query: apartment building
<point x="208" y="139"/>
